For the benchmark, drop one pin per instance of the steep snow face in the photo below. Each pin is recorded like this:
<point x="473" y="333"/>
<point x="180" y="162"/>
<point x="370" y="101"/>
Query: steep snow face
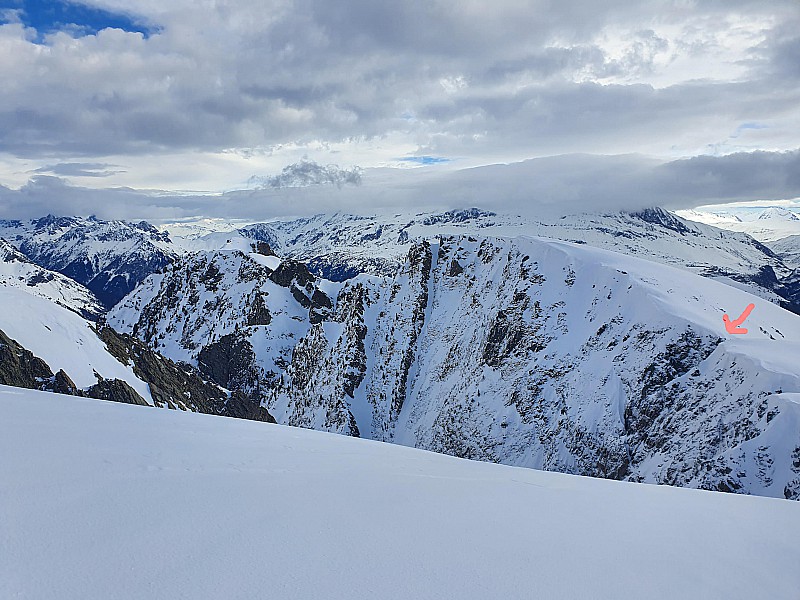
<point x="522" y="351"/>
<point x="108" y="257"/>
<point x="326" y="515"/>
<point x="62" y="339"/>
<point x="559" y="357"/>
<point x="17" y="271"/>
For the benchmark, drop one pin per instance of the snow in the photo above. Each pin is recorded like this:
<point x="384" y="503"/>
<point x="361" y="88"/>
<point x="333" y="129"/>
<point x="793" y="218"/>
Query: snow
<point x="788" y="249"/>
<point x="102" y="500"/>
<point x="271" y="262"/>
<point x="62" y="339"/>
<point x="765" y="224"/>
<point x="17" y="271"/>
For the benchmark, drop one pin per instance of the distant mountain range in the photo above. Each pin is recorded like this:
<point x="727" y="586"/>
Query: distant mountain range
<point x="765" y="224"/>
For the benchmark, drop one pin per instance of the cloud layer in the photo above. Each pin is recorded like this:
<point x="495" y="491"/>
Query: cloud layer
<point x="546" y="186"/>
<point x="222" y="91"/>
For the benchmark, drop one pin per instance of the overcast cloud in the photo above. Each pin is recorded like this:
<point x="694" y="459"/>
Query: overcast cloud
<point x="545" y="186"/>
<point x="619" y="103"/>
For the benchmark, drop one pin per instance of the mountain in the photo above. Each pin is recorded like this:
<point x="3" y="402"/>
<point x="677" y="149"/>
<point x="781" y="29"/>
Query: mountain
<point x="765" y="224"/>
<point x="45" y="345"/>
<point x="457" y="332"/>
<point x="524" y="351"/>
<point x="778" y="213"/>
<point x="236" y="316"/>
<point x="338" y="247"/>
<point x="17" y="271"/>
<point x="788" y="249"/>
<point x="245" y="510"/>
<point x="110" y="258"/>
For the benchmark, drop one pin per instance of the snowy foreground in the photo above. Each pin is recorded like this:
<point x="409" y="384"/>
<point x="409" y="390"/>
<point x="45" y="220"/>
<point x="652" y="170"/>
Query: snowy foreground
<point x="102" y="500"/>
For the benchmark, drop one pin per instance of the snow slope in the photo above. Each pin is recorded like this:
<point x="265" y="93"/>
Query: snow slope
<point x="62" y="339"/>
<point x="17" y="271"/>
<point x="102" y="500"/>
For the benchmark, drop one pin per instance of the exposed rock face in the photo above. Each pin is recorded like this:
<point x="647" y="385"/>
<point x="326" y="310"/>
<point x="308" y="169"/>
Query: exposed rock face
<point x="292" y="271"/>
<point x="530" y="357"/>
<point x="62" y="384"/>
<point x="180" y="386"/>
<point x="659" y="216"/>
<point x="20" y="368"/>
<point x="115" y="390"/>
<point x="211" y="310"/>
<point x="263" y="248"/>
<point x="229" y="361"/>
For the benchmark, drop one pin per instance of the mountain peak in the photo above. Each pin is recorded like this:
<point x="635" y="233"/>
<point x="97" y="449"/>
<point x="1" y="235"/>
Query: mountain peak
<point x="778" y="212"/>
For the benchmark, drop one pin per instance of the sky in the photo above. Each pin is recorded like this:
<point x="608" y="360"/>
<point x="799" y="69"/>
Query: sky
<point x="133" y="108"/>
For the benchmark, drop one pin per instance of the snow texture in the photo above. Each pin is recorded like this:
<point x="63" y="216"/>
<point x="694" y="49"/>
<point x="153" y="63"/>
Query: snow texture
<point x="102" y="500"/>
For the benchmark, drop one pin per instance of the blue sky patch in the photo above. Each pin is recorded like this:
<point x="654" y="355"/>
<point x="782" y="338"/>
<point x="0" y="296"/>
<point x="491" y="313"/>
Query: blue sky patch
<point x="752" y="126"/>
<point x="77" y="19"/>
<point x="425" y="160"/>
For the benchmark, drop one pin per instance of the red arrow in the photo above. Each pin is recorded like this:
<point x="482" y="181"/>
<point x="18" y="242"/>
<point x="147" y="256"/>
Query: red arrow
<point x="733" y="326"/>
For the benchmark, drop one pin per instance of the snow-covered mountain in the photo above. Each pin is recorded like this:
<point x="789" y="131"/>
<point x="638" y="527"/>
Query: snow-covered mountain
<point x="236" y="316"/>
<point x="765" y="224"/>
<point x="46" y="345"/>
<point x="778" y="212"/>
<point x="109" y="257"/>
<point x="340" y="246"/>
<point x="112" y="257"/>
<point x="457" y="332"/>
<point x="17" y="271"/>
<point x="522" y="351"/>
<point x="788" y="249"/>
<point x="103" y="500"/>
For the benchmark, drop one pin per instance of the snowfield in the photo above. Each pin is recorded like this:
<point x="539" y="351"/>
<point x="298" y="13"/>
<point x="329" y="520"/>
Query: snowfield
<point x="103" y="500"/>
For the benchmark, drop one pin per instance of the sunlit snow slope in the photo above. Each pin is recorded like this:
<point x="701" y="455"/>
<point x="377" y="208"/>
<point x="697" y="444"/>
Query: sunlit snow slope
<point x="101" y="500"/>
<point x="63" y="339"/>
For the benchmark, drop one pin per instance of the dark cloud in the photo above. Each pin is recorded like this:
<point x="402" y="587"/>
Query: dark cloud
<point x="737" y="177"/>
<point x="245" y="74"/>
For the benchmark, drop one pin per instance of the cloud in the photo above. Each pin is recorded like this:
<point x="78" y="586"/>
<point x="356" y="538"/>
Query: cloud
<point x="509" y="80"/>
<point x="308" y="172"/>
<point x="547" y="186"/>
<point x="73" y="169"/>
<point x="617" y="105"/>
